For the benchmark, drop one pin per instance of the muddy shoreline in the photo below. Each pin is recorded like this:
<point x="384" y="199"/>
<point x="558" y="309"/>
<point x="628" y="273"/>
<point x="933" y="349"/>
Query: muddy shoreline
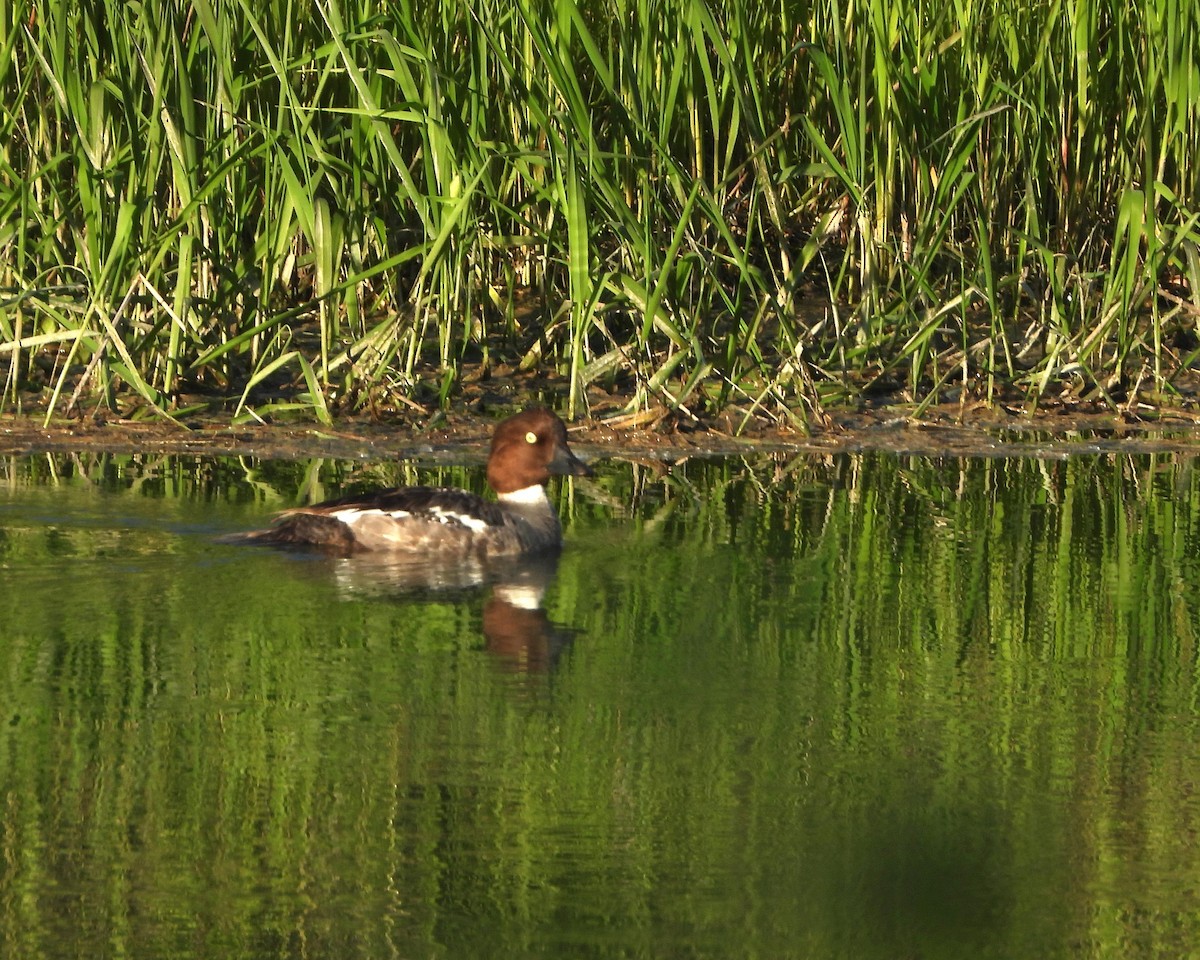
<point x="945" y="431"/>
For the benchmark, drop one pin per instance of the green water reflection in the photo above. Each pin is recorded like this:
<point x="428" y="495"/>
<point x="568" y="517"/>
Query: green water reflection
<point x="846" y="707"/>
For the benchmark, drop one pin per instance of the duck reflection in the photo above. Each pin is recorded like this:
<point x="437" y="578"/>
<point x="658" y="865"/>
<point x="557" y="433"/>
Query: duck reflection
<point x="516" y="628"/>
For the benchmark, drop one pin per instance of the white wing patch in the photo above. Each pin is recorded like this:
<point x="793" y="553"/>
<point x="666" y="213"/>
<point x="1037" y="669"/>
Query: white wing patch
<point x="349" y="515"/>
<point x="449" y="516"/>
<point x="352" y="515"/>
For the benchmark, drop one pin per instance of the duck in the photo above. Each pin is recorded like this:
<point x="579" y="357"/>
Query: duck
<point x="526" y="450"/>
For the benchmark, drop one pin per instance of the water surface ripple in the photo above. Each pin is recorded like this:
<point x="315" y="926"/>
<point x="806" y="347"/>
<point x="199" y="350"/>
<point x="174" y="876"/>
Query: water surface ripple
<point x="854" y="706"/>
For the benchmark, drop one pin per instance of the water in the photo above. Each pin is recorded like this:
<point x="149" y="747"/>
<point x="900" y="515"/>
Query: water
<point x="856" y="706"/>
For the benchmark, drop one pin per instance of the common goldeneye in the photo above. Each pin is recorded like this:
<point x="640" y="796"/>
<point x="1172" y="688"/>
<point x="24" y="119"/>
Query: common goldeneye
<point x="526" y="449"/>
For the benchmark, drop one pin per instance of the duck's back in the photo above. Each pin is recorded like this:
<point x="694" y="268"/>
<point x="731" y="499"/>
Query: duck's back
<point x="433" y="520"/>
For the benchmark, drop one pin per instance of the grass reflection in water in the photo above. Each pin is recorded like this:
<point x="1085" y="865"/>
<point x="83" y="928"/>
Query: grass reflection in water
<point x="860" y="706"/>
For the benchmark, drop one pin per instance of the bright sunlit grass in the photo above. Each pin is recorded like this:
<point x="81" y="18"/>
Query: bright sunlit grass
<point x="273" y="206"/>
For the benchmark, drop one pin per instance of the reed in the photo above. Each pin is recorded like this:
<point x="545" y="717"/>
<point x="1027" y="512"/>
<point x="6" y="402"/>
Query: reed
<point x="273" y="207"/>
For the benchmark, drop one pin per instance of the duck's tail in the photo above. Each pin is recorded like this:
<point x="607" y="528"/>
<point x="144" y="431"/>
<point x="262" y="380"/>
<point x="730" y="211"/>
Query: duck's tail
<point x="300" y="530"/>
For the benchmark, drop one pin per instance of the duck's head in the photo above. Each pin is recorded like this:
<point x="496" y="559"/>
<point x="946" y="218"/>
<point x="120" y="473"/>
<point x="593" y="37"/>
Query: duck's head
<point x="527" y="449"/>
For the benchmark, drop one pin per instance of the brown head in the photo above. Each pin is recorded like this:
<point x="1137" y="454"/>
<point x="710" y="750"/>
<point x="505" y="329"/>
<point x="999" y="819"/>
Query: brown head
<point x="527" y="449"/>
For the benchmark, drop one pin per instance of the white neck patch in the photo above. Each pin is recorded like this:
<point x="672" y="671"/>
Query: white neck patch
<point x="526" y="496"/>
<point x="523" y="598"/>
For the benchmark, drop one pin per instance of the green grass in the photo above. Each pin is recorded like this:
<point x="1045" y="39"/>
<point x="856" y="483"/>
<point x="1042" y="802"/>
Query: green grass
<point x="271" y="207"/>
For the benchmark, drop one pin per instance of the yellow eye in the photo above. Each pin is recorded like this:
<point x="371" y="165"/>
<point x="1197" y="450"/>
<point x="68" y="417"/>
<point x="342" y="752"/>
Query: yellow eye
<point x="531" y="437"/>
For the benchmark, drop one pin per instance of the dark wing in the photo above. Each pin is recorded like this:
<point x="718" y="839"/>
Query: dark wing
<point x="415" y="519"/>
